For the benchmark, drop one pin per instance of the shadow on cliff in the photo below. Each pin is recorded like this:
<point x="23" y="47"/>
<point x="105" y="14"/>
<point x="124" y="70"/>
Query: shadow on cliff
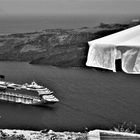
<point x="76" y="57"/>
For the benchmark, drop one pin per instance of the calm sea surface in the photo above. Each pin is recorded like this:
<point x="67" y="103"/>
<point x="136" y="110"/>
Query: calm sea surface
<point x="88" y="98"/>
<point x="12" y="24"/>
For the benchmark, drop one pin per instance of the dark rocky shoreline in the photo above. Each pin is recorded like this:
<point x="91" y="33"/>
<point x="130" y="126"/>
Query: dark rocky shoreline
<point x="40" y="135"/>
<point x="57" y="47"/>
<point x="51" y="135"/>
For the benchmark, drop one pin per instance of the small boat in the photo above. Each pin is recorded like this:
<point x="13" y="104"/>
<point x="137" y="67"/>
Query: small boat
<point x="31" y="94"/>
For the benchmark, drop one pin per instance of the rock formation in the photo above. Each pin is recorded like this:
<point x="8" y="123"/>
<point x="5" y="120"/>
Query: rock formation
<point x="58" y="47"/>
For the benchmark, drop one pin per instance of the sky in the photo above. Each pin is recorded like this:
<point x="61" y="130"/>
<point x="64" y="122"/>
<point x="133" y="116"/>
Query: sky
<point x="68" y="7"/>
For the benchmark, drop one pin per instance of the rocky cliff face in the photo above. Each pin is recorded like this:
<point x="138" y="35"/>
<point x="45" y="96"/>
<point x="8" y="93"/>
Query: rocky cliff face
<point x="59" y="47"/>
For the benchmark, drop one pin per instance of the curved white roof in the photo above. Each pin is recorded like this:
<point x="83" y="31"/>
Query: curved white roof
<point x="119" y="37"/>
<point x="133" y="42"/>
<point x="104" y="51"/>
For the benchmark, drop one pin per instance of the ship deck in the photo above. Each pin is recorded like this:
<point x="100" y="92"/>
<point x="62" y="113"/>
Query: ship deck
<point x="19" y="96"/>
<point x="23" y="92"/>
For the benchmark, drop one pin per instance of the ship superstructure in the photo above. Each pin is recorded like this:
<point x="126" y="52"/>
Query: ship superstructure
<point x="32" y="94"/>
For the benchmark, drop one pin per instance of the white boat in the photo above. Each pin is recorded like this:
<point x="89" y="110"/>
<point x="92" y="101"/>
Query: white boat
<point x="38" y="95"/>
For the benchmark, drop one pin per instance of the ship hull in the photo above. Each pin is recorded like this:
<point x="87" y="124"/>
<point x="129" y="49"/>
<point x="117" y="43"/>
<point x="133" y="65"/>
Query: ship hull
<point x="33" y="104"/>
<point x="23" y="99"/>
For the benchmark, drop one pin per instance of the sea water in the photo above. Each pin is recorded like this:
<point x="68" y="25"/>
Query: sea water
<point x="88" y="98"/>
<point x="20" y="24"/>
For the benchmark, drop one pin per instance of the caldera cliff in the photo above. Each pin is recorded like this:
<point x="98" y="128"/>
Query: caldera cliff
<point x="57" y="47"/>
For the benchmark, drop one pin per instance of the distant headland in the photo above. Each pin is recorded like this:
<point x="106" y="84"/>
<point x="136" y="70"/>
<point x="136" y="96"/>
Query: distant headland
<point x="57" y="47"/>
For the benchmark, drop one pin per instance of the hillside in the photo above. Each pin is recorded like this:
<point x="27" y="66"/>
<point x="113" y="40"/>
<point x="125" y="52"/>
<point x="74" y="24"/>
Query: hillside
<point x="59" y="47"/>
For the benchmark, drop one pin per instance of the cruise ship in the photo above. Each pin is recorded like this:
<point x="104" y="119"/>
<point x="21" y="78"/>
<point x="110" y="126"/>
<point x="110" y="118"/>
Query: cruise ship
<point x="31" y="94"/>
